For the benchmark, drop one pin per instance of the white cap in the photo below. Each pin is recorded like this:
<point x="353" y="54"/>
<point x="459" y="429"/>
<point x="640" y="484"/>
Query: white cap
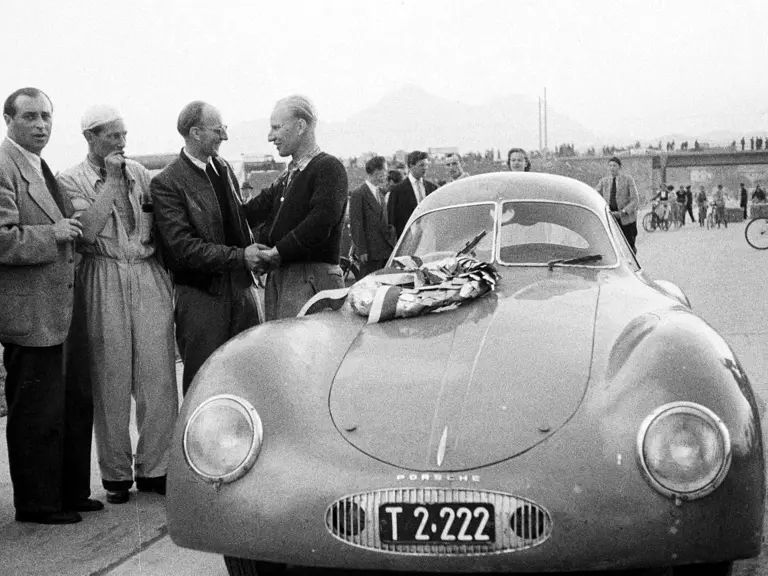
<point x="98" y="115"/>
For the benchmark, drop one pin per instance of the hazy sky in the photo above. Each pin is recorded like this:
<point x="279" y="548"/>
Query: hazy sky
<point x="630" y="69"/>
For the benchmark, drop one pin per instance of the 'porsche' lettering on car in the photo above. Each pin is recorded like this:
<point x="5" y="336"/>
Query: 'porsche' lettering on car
<point x="438" y="477"/>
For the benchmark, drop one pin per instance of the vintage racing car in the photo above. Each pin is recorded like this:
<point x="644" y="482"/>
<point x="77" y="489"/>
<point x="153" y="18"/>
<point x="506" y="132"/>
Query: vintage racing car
<point x="580" y="417"/>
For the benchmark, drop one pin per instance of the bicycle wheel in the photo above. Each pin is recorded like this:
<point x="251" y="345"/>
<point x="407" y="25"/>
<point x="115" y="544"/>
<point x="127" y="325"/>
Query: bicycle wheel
<point x="649" y="223"/>
<point x="756" y="233"/>
<point x="710" y="221"/>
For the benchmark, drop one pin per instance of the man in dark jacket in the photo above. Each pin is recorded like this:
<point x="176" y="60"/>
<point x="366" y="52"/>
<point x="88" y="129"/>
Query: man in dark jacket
<point x="404" y="197"/>
<point x="743" y="197"/>
<point x="372" y="235"/>
<point x="302" y="212"/>
<point x="206" y="241"/>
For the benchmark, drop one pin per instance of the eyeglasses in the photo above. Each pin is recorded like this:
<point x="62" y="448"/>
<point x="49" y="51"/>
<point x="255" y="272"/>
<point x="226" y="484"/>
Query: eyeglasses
<point x="220" y="130"/>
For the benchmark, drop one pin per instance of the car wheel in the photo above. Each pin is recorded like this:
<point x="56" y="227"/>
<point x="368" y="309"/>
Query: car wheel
<point x="246" y="567"/>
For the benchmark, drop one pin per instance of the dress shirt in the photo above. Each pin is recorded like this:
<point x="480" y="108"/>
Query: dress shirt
<point x="418" y="188"/>
<point x="34" y="159"/>
<point x="377" y="194"/>
<point x="202" y="165"/>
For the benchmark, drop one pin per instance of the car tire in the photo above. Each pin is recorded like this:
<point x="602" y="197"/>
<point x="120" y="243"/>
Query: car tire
<point x="247" y="567"/>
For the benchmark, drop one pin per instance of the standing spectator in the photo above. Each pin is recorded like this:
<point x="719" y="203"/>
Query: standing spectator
<point x="402" y="168"/>
<point x="404" y="197"/>
<point x="742" y="143"/>
<point x="205" y="240"/>
<point x="701" y="201"/>
<point x="759" y="194"/>
<point x="393" y="177"/>
<point x="621" y="195"/>
<point x="752" y="143"/>
<point x="681" y="203"/>
<point x="455" y="170"/>
<point x="689" y="202"/>
<point x="128" y="309"/>
<point x="719" y="199"/>
<point x="50" y="410"/>
<point x="303" y="211"/>
<point x="372" y="236"/>
<point x="743" y="196"/>
<point x="518" y="161"/>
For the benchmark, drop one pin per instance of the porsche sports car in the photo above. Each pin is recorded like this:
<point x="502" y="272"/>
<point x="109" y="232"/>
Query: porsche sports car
<point x="579" y="417"/>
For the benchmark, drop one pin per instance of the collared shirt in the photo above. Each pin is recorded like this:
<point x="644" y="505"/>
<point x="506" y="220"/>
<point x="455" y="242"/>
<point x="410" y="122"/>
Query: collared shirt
<point x="459" y="177"/>
<point x="200" y="164"/>
<point x="83" y="183"/>
<point x="380" y="198"/>
<point x="298" y="164"/>
<point x="418" y="188"/>
<point x="34" y="159"/>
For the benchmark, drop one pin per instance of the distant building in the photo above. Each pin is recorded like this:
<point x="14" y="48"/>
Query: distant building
<point x="261" y="163"/>
<point x="440" y="152"/>
<point x="154" y="162"/>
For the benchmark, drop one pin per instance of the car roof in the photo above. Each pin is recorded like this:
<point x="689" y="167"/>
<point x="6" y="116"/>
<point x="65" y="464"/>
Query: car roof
<point x="500" y="186"/>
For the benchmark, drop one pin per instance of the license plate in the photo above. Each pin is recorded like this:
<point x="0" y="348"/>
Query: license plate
<point x="438" y="523"/>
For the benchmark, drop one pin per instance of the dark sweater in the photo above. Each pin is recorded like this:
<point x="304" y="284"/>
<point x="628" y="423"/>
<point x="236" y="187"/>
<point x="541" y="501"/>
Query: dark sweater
<point x="306" y="225"/>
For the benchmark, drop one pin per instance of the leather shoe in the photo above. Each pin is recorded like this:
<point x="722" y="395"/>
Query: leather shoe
<point x="156" y="484"/>
<point x="87" y="505"/>
<point x="48" y="517"/>
<point x="117" y="496"/>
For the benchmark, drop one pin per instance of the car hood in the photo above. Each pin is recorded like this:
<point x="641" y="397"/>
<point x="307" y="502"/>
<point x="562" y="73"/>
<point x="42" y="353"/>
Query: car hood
<point x="472" y="386"/>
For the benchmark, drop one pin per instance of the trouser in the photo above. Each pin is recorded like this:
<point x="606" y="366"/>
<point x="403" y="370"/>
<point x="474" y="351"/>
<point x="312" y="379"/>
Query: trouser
<point x="289" y="287"/>
<point x="205" y="321"/>
<point x="744" y="208"/>
<point x="129" y="317"/>
<point x="689" y="209"/>
<point x="702" y="214"/>
<point x="681" y="212"/>
<point x="371" y="266"/>
<point x="49" y="429"/>
<point x="630" y="233"/>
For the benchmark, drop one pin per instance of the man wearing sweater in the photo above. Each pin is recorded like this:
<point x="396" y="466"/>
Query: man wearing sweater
<point x="302" y="211"/>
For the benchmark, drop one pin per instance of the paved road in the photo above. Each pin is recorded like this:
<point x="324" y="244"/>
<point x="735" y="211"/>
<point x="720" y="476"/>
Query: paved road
<point x="723" y="277"/>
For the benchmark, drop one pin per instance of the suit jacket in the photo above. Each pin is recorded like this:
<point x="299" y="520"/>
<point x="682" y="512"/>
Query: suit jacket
<point x="36" y="272"/>
<point x="190" y="227"/>
<point x="627" y="198"/>
<point x="402" y="203"/>
<point x="371" y="234"/>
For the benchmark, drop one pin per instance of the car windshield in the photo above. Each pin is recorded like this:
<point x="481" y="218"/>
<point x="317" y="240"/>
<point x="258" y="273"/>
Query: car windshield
<point x="544" y="232"/>
<point x="446" y="231"/>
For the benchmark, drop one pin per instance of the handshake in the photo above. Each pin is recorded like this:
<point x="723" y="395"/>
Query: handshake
<point x="261" y="259"/>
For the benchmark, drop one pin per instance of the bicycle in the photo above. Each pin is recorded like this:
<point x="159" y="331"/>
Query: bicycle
<point x="653" y="221"/>
<point x="756" y="233"/>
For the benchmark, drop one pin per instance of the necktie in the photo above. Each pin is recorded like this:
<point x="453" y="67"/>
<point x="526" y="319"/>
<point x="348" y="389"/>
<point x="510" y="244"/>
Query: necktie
<point x="612" y="204"/>
<point x="420" y="186"/>
<point x="53" y="189"/>
<point x="382" y="203"/>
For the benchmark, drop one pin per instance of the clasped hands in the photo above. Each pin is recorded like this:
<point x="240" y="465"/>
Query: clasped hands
<point x="260" y="258"/>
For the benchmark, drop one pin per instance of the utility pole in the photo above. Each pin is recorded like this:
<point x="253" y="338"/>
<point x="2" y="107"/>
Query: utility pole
<point x="539" y="123"/>
<point x="546" y="144"/>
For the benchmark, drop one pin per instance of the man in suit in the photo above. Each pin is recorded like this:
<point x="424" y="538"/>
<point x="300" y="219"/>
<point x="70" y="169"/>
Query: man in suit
<point x="205" y="241"/>
<point x="372" y="236"/>
<point x="50" y="412"/>
<point x="404" y="197"/>
<point x="621" y="194"/>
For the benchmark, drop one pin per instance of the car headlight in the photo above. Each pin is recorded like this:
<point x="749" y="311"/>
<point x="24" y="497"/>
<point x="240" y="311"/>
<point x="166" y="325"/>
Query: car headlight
<point x="684" y="450"/>
<point x="222" y="438"/>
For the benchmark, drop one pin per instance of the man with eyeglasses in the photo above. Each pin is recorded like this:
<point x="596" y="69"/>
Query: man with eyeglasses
<point x="205" y="240"/>
<point x="404" y="197"/>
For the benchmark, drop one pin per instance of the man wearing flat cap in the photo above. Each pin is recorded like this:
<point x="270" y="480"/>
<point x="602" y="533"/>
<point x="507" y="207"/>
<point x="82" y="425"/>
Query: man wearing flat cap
<point x="621" y="195"/>
<point x="206" y="240"/>
<point x="126" y="296"/>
